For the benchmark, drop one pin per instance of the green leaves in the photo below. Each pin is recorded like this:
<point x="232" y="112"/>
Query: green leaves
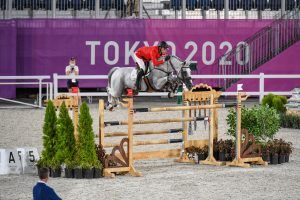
<point x="49" y="136"/>
<point x="86" y="152"/>
<point x="274" y="101"/>
<point x="66" y="141"/>
<point x="262" y="121"/>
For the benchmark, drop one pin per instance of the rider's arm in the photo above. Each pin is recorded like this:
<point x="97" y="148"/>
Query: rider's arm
<point x="154" y="59"/>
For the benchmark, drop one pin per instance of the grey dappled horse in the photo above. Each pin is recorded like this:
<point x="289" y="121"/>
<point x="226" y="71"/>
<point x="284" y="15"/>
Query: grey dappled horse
<point x="165" y="77"/>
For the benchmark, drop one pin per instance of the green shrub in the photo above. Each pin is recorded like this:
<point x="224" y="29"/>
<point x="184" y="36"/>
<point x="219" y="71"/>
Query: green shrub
<point x="275" y="101"/>
<point x="262" y="121"/>
<point x="49" y="136"/>
<point x="86" y="152"/>
<point x="66" y="140"/>
<point x="290" y="121"/>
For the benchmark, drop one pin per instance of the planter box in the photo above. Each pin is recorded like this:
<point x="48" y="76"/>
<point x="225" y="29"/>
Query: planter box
<point x="222" y="156"/>
<point x="55" y="173"/>
<point x="69" y="173"/>
<point x="78" y="173"/>
<point x="281" y="159"/>
<point x="266" y="157"/>
<point x="287" y="158"/>
<point x="88" y="173"/>
<point x="97" y="173"/>
<point x="201" y="156"/>
<point x="274" y="159"/>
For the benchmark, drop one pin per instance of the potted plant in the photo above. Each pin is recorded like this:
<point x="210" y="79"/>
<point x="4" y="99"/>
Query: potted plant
<point x="202" y="153"/>
<point x="100" y="151"/>
<point x="66" y="144"/>
<point x="49" y="137"/>
<point x="55" y="168"/>
<point x="274" y="152"/>
<point x="229" y="150"/>
<point x="222" y="148"/>
<point x="216" y="149"/>
<point x="265" y="149"/>
<point x="262" y="121"/>
<point x="289" y="150"/>
<point x="191" y="151"/>
<point x="87" y="158"/>
<point x="281" y="151"/>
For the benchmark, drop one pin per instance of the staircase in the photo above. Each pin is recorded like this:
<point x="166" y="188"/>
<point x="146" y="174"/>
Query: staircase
<point x="261" y="47"/>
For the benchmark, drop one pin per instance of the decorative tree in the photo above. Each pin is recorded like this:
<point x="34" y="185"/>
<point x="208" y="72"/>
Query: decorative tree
<point x="49" y="136"/>
<point x="86" y="152"/>
<point x="66" y="140"/>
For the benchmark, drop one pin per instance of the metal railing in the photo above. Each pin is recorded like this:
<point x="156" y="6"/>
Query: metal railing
<point x="161" y="9"/>
<point x="261" y="47"/>
<point x="11" y="80"/>
<point x="261" y="77"/>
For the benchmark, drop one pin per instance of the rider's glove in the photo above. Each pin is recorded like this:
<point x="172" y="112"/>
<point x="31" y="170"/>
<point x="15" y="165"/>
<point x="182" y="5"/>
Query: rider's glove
<point x="167" y="58"/>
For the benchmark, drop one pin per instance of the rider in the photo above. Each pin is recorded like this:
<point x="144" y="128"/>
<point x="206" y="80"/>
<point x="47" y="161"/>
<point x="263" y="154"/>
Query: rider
<point x="146" y="54"/>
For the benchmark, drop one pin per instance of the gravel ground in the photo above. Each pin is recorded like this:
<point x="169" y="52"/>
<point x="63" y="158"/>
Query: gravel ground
<point x="162" y="178"/>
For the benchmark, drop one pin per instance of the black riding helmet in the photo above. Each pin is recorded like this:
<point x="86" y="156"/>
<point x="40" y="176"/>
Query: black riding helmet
<point x="163" y="44"/>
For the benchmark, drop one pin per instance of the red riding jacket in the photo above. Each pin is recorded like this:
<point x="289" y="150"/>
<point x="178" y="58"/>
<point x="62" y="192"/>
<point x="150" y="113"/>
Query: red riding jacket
<point x="150" y="53"/>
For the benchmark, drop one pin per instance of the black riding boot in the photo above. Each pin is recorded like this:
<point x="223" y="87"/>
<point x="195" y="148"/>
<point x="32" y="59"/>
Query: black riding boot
<point x="138" y="79"/>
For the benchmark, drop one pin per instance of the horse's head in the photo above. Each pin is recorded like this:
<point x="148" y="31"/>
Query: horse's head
<point x="182" y="70"/>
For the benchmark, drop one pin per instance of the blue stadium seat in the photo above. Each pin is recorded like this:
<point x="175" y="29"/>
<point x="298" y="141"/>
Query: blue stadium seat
<point x="105" y="4"/>
<point x="218" y="4"/>
<point x="290" y="4"/>
<point x="90" y="5"/>
<point x="261" y="4"/>
<point x="298" y="3"/>
<point x="275" y="4"/>
<point x="63" y="5"/>
<point x="18" y="4"/>
<point x="176" y="4"/>
<point x="247" y="4"/>
<point x="48" y="4"/>
<point x="204" y="4"/>
<point x="76" y="4"/>
<point x="233" y="4"/>
<point x="119" y="4"/>
<point x="191" y="4"/>
<point x="2" y="4"/>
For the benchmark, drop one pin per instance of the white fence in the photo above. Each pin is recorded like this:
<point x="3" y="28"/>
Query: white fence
<point x="259" y="93"/>
<point x="52" y="87"/>
<point x="40" y="83"/>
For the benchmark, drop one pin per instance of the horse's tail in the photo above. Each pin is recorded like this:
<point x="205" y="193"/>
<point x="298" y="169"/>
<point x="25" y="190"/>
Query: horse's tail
<point x="110" y="73"/>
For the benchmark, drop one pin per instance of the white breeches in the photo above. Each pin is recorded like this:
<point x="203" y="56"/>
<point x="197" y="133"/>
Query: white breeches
<point x="139" y="61"/>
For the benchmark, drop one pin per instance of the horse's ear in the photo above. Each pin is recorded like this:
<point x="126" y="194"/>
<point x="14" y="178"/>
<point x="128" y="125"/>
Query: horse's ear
<point x="184" y="62"/>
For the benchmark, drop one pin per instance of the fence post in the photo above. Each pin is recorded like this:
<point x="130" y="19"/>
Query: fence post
<point x="40" y="92"/>
<point x="282" y="7"/>
<point x="141" y="9"/>
<point x="53" y="8"/>
<point x="55" y="85"/>
<point x="183" y="14"/>
<point x="261" y="86"/>
<point x="226" y="9"/>
<point x="97" y="9"/>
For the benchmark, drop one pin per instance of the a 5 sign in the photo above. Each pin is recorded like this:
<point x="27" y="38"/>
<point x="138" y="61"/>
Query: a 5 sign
<point x="19" y="160"/>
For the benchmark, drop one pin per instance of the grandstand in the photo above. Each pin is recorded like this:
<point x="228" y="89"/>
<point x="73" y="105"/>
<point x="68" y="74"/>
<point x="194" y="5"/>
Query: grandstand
<point x="152" y="9"/>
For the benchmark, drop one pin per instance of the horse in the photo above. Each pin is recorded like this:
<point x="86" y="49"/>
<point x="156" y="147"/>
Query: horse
<point x="166" y="77"/>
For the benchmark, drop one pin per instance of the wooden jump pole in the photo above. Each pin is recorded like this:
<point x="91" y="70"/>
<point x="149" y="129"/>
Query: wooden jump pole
<point x="165" y="131"/>
<point x="154" y="121"/>
<point x="148" y="142"/>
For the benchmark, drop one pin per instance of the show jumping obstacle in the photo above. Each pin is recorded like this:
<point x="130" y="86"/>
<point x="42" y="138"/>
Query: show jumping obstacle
<point x="196" y="99"/>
